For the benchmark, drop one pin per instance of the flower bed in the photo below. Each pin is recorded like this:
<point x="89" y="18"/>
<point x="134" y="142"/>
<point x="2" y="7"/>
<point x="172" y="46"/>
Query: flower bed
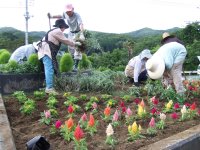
<point x="99" y="121"/>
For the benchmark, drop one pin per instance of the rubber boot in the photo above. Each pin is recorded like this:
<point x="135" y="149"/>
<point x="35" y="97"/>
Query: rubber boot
<point x="75" y="67"/>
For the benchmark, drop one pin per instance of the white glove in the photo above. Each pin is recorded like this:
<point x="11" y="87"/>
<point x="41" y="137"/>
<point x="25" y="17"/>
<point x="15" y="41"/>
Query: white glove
<point x="82" y="37"/>
<point x="78" y="44"/>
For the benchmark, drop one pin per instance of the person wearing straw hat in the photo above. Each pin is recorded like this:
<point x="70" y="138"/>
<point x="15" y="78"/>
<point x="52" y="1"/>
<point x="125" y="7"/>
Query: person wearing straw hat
<point x="76" y="29"/>
<point x="167" y="63"/>
<point x="22" y="53"/>
<point x="48" y="49"/>
<point x="135" y="68"/>
<point x="166" y="38"/>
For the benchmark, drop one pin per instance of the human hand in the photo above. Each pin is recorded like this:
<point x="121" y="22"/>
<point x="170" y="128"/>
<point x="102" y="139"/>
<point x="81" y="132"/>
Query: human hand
<point x="77" y="43"/>
<point x="136" y="84"/>
<point x="49" y="15"/>
<point x="82" y="37"/>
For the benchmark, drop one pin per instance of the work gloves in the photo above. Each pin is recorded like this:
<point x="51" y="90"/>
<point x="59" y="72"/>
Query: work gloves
<point x="77" y="44"/>
<point x="136" y="84"/>
<point x="82" y="37"/>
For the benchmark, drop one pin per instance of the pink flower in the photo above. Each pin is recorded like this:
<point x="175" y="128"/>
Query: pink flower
<point x="152" y="122"/>
<point x="174" y="116"/>
<point x="84" y="117"/>
<point x="116" y="116"/>
<point x="137" y="101"/>
<point x="176" y="106"/>
<point x="47" y="114"/>
<point x="94" y="105"/>
<point x="78" y="133"/>
<point x="153" y="111"/>
<point x="58" y="124"/>
<point x="129" y="112"/>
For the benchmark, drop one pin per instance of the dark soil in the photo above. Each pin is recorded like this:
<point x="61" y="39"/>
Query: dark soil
<point x="25" y="127"/>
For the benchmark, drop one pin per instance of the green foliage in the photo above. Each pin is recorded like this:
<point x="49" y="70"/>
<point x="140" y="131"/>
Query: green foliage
<point x="33" y="59"/>
<point x="85" y="62"/>
<point x="4" y="57"/>
<point x="66" y="63"/>
<point x="28" y="107"/>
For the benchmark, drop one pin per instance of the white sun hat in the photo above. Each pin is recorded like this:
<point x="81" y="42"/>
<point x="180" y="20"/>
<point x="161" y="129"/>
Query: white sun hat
<point x="35" y="45"/>
<point x="155" y="67"/>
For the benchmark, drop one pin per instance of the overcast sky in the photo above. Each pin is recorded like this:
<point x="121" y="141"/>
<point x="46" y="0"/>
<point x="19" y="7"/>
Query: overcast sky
<point x="113" y="16"/>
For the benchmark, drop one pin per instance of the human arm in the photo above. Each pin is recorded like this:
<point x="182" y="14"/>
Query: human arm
<point x="137" y="70"/>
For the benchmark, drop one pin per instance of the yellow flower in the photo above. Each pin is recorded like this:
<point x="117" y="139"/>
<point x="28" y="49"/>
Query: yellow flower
<point x="134" y="128"/>
<point x="129" y="128"/>
<point x="169" y="104"/>
<point x="140" y="111"/>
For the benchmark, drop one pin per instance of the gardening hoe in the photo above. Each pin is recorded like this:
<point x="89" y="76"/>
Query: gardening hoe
<point x="49" y="20"/>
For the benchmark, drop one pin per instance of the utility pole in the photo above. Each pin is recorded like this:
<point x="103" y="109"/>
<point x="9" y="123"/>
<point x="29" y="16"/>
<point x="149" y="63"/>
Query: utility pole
<point x="27" y="16"/>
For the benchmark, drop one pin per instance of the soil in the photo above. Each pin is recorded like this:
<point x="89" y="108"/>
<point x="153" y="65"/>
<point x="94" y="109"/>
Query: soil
<point x="25" y="127"/>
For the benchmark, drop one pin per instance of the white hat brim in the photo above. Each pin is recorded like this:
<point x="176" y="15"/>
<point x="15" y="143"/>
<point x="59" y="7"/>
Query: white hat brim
<point x="157" y="74"/>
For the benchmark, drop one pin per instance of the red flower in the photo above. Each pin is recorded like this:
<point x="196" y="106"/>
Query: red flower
<point x="176" y="106"/>
<point x="122" y="104"/>
<point x="78" y="133"/>
<point x="124" y="109"/>
<point x="153" y="111"/>
<point x="193" y="106"/>
<point x="58" y="124"/>
<point x="174" y="115"/>
<point x="154" y="100"/>
<point x="137" y="100"/>
<point x="187" y="104"/>
<point x="70" y="109"/>
<point x="91" y="122"/>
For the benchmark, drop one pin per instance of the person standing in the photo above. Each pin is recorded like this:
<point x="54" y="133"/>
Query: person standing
<point x="76" y="28"/>
<point x="22" y="53"/>
<point x="48" y="49"/>
<point x="167" y="63"/>
<point x="135" y="68"/>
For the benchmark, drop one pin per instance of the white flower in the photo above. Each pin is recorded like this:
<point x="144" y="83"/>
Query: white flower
<point x="109" y="130"/>
<point x="162" y="116"/>
<point x="184" y="110"/>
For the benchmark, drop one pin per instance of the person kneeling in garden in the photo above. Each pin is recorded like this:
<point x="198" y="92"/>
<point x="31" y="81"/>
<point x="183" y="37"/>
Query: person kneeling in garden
<point x="48" y="49"/>
<point x="167" y="63"/>
<point x="135" y="68"/>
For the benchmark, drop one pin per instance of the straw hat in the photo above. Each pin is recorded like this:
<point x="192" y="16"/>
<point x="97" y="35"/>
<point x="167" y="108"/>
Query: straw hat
<point x="166" y="34"/>
<point x="155" y="67"/>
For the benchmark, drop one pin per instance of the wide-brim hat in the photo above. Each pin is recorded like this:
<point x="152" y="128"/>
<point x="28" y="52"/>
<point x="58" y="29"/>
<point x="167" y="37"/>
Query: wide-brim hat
<point x="165" y="34"/>
<point x="61" y="23"/>
<point x="155" y="67"/>
<point x="69" y="7"/>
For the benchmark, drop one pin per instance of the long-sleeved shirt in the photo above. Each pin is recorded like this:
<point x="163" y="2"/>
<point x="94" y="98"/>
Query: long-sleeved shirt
<point x="172" y="53"/>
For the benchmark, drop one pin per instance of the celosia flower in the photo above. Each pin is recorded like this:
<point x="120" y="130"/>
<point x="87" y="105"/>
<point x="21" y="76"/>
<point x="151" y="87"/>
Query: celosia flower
<point x="154" y="100"/>
<point x="123" y="109"/>
<point x="137" y="101"/>
<point x="70" y="109"/>
<point x="84" y="117"/>
<point x="162" y="116"/>
<point x="122" y="104"/>
<point x="153" y="110"/>
<point x="78" y="133"/>
<point x="176" y="106"/>
<point x="107" y="111"/>
<point x="91" y="121"/>
<point x="94" y="105"/>
<point x="140" y="128"/>
<point x="174" y="116"/>
<point x="129" y="112"/>
<point x="47" y="114"/>
<point x="193" y="106"/>
<point x="169" y="104"/>
<point x="109" y="130"/>
<point x="58" y="124"/>
<point x="184" y="110"/>
<point x="134" y="128"/>
<point x="69" y="123"/>
<point x="116" y="116"/>
<point x="142" y="104"/>
<point x="187" y="104"/>
<point x="152" y="122"/>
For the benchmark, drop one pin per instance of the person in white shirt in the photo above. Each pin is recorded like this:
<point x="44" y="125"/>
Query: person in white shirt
<point x="135" y="68"/>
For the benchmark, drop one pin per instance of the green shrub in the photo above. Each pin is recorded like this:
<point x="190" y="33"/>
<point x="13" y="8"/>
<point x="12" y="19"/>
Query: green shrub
<point x="85" y="62"/>
<point x="4" y="57"/>
<point x="11" y="66"/>
<point x="66" y="63"/>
